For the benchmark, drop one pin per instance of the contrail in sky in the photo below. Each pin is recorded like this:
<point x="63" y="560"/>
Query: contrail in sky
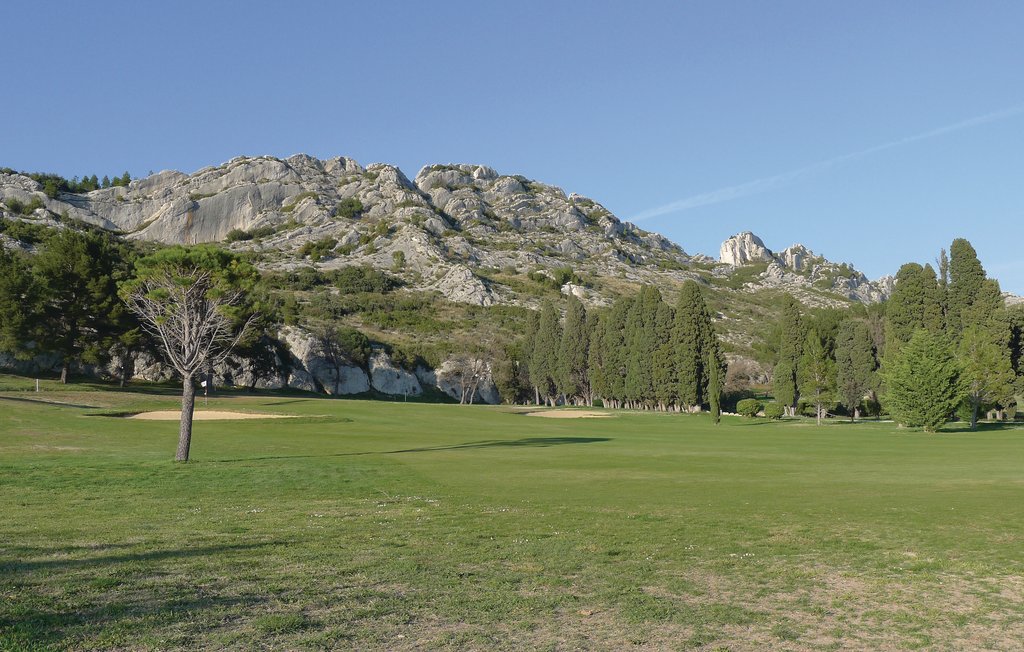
<point x="765" y="184"/>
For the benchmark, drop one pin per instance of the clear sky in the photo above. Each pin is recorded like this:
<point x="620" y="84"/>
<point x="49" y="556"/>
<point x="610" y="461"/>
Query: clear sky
<point x="872" y="132"/>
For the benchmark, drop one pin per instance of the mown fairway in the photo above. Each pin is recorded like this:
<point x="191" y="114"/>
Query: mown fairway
<point x="371" y="525"/>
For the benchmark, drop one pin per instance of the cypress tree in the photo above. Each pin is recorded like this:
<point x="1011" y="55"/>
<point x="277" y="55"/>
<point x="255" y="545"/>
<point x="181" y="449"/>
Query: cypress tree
<point x="663" y="371"/>
<point x="816" y="375"/>
<point x="544" y="361"/>
<point x="715" y="388"/>
<point x="695" y="341"/>
<point x="914" y="304"/>
<point x="640" y="337"/>
<point x="855" y="365"/>
<point x="573" y="353"/>
<point x="790" y="351"/>
<point x="614" y="351"/>
<point x="966" y="280"/>
<point x="922" y="381"/>
<point x="529" y="348"/>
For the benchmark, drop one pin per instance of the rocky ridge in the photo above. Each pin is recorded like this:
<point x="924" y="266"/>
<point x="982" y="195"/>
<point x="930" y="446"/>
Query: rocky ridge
<point x="798" y="268"/>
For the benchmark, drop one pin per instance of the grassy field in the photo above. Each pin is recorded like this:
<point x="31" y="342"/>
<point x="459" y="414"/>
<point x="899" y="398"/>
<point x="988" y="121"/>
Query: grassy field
<point x="369" y="525"/>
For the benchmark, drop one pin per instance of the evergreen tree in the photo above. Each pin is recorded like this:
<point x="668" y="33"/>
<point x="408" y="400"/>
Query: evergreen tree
<point x="914" y="304"/>
<point x="544" y="361"/>
<point x="784" y="385"/>
<point x="816" y="375"/>
<point x="106" y="181"/>
<point x="663" y="370"/>
<point x="986" y="370"/>
<point x="695" y="341"/>
<point x="715" y="388"/>
<point x="573" y="378"/>
<point x="790" y="351"/>
<point x="530" y="344"/>
<point x="78" y="275"/>
<point x="640" y="338"/>
<point x="614" y="352"/>
<point x="966" y="280"/>
<point x="922" y="381"/>
<point x="20" y="309"/>
<point x="855" y="365"/>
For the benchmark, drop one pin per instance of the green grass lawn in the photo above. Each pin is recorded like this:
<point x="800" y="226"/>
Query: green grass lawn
<point x="371" y="525"/>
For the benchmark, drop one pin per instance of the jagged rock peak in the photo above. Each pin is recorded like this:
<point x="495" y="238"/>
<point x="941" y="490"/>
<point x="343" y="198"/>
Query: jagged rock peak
<point x="743" y="249"/>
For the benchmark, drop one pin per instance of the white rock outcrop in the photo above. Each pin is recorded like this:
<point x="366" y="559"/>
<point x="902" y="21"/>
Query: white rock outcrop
<point x="743" y="249"/>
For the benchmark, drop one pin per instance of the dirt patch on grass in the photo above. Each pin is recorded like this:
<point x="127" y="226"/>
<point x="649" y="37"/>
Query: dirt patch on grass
<point x="204" y="415"/>
<point x="568" y="414"/>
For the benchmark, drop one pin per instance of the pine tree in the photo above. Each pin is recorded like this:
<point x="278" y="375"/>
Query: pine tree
<point x="20" y="307"/>
<point x="106" y="181"/>
<point x="986" y="370"/>
<point x="78" y="275"/>
<point x="613" y="351"/>
<point x="922" y="381"/>
<point x="784" y="385"/>
<point x="855" y="365"/>
<point x="816" y="375"/>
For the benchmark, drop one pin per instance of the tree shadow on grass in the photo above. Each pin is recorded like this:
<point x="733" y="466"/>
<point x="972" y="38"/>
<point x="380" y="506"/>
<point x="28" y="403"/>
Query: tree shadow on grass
<point x="114" y="592"/>
<point x="525" y="442"/>
<point x="41" y="401"/>
<point x="120" y="558"/>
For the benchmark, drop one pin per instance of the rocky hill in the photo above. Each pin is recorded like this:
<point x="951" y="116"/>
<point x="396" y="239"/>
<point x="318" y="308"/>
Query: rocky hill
<point x="469" y="246"/>
<point x="462" y="230"/>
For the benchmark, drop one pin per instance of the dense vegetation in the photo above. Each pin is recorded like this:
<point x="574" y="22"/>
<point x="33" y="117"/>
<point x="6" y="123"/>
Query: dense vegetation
<point x="640" y="352"/>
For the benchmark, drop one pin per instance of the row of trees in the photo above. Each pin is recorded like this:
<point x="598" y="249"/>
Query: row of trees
<point x="640" y="353"/>
<point x="943" y="342"/>
<point x="54" y="184"/>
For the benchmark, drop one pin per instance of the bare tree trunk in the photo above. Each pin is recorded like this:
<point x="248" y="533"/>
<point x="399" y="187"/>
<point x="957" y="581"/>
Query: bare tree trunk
<point x="536" y="395"/>
<point x="188" y="404"/>
<point x="974" y="415"/>
<point x="64" y="372"/>
<point x="856" y="414"/>
<point x="127" y="367"/>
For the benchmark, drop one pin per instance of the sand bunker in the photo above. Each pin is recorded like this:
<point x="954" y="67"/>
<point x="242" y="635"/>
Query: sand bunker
<point x="568" y="414"/>
<point x="203" y="415"/>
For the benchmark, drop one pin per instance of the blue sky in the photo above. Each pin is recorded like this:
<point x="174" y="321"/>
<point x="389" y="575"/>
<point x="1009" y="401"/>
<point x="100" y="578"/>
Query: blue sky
<point x="872" y="132"/>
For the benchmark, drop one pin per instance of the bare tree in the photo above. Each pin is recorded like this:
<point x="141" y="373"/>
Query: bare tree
<point x="469" y="370"/>
<point x="193" y="302"/>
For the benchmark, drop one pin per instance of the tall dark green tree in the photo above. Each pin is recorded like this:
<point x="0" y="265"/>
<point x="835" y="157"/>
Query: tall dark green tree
<point x="544" y="359"/>
<point x="922" y="381"/>
<point x="816" y="375"/>
<point x="855" y="365"/>
<point x="970" y="298"/>
<point x="19" y="305"/>
<point x="696" y="342"/>
<point x="914" y="304"/>
<point x="785" y="376"/>
<point x="573" y="376"/>
<point x="77" y="274"/>
<point x="641" y="343"/>
<point x="663" y="368"/>
<point x="715" y="388"/>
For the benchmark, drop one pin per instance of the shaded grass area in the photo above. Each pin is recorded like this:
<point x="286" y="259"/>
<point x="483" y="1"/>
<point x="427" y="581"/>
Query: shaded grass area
<point x="372" y="525"/>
